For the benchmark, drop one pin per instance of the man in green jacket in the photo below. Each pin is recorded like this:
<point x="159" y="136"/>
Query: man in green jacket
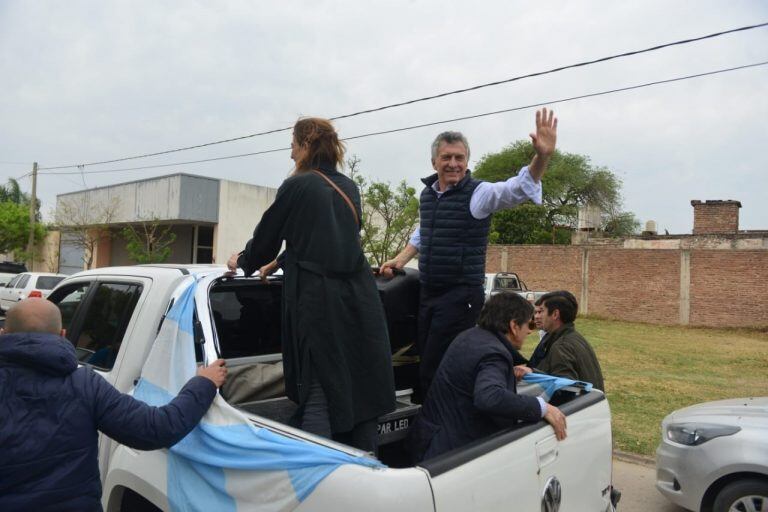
<point x="563" y="351"/>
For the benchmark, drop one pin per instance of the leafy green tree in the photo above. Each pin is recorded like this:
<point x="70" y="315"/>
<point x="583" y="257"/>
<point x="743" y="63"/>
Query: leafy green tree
<point x="389" y="215"/>
<point x="149" y="241"/>
<point x="570" y="182"/>
<point x="14" y="235"/>
<point x="12" y="193"/>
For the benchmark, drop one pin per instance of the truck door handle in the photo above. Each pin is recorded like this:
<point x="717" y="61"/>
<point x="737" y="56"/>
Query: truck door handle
<point x="546" y="451"/>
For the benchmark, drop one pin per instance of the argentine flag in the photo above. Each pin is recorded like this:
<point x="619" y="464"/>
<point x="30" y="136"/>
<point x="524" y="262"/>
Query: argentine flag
<point x="226" y="463"/>
<point x="544" y="386"/>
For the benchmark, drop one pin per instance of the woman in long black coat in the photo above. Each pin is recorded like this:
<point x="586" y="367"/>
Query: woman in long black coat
<point x="336" y="351"/>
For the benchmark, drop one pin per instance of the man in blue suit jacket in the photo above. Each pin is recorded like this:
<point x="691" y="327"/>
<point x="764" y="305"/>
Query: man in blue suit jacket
<point x="474" y="391"/>
<point x="51" y="412"/>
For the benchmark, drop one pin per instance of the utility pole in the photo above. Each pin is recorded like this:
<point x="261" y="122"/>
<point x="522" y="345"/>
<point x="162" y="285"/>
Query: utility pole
<point x="32" y="211"/>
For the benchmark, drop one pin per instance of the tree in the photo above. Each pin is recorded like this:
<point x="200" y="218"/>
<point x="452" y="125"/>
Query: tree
<point x="14" y="235"/>
<point x="569" y="183"/>
<point x="84" y="224"/>
<point x="12" y="192"/>
<point x="389" y="215"/>
<point x="149" y="242"/>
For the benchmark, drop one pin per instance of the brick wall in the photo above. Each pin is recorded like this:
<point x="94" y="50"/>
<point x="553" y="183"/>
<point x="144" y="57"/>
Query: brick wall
<point x="729" y="288"/>
<point x="636" y="285"/>
<point x="542" y="267"/>
<point x="715" y="217"/>
<point x="726" y="288"/>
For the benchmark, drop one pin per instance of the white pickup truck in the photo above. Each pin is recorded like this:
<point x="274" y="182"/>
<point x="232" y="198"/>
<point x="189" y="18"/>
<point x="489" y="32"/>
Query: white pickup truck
<point x="112" y="316"/>
<point x="509" y="282"/>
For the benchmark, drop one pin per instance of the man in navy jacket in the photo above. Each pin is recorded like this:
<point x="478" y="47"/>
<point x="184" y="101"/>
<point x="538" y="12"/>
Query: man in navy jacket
<point x="51" y="412"/>
<point x="474" y="391"/>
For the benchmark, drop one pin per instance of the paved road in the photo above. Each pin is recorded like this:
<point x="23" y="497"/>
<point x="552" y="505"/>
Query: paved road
<point x="638" y="492"/>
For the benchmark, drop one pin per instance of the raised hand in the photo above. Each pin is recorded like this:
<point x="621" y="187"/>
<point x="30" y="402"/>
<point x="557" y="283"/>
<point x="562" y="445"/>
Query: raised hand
<point x="545" y="138"/>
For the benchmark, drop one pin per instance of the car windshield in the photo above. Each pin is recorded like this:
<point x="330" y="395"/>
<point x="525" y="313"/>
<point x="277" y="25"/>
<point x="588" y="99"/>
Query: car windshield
<point x="48" y="282"/>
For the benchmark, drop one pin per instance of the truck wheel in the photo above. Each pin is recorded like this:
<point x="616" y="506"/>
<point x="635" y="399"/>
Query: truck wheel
<point x="750" y="494"/>
<point x="133" y="502"/>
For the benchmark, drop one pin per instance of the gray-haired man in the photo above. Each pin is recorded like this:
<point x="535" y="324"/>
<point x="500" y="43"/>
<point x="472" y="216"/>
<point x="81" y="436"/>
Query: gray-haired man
<point x="451" y="241"/>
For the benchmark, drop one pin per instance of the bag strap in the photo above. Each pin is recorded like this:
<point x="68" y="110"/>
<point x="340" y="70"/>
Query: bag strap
<point x="341" y="192"/>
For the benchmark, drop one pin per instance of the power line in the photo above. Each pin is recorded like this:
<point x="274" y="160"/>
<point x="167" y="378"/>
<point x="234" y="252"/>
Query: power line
<point x="425" y="98"/>
<point x="434" y="123"/>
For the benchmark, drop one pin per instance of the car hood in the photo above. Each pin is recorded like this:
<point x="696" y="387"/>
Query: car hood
<point x="737" y="411"/>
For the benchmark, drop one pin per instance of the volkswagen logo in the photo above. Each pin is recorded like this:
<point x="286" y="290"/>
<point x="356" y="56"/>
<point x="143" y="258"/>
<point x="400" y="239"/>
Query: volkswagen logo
<point x="550" y="500"/>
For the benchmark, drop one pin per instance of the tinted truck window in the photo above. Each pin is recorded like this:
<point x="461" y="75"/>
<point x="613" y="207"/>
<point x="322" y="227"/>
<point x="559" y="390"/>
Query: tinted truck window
<point x="246" y="316"/>
<point x="99" y="339"/>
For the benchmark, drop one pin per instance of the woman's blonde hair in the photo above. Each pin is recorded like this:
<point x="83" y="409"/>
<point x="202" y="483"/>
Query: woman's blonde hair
<point x="321" y="142"/>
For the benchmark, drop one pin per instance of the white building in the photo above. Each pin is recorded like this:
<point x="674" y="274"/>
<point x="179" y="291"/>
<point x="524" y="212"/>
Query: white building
<point x="211" y="218"/>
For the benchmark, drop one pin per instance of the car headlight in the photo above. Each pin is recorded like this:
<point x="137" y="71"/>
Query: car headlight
<point x="694" y="434"/>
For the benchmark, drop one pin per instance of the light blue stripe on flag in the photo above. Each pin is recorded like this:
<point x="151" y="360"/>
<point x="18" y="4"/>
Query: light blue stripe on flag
<point x="227" y="462"/>
<point x="550" y="384"/>
<point x="183" y="309"/>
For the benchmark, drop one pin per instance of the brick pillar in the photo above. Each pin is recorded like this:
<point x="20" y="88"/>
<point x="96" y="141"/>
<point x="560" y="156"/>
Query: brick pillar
<point x="715" y="217"/>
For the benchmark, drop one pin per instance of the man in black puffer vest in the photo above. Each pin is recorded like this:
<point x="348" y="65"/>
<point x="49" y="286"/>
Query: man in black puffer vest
<point x="452" y="237"/>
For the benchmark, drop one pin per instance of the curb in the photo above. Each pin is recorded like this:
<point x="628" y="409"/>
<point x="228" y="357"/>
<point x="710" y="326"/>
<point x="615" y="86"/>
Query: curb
<point x="634" y="458"/>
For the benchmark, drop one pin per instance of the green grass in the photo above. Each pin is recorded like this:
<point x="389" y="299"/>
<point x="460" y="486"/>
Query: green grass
<point x="651" y="370"/>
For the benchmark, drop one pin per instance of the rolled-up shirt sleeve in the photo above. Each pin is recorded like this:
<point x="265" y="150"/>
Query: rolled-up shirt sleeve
<point x="415" y="238"/>
<point x="490" y="197"/>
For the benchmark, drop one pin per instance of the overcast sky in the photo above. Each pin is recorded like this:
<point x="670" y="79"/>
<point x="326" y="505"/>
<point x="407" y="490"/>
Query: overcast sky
<point x="89" y="81"/>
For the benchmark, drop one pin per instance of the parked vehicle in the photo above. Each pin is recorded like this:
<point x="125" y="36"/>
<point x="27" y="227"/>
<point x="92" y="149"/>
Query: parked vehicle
<point x="508" y="282"/>
<point x="28" y="284"/>
<point x="713" y="456"/>
<point x="6" y="278"/>
<point x="9" y="270"/>
<point x="122" y="308"/>
<point x="10" y="267"/>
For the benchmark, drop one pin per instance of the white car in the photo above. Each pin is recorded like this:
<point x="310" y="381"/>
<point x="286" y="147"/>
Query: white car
<point x="5" y="278"/>
<point x="28" y="284"/>
<point x="714" y="456"/>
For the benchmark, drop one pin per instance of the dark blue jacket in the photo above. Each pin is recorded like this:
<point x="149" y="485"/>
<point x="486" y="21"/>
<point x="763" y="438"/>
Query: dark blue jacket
<point x="50" y="412"/>
<point x="453" y="242"/>
<point x="473" y="395"/>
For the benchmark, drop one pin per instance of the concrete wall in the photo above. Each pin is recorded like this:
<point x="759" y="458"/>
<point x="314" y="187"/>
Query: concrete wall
<point x="689" y="286"/>
<point x="168" y="198"/>
<point x="46" y="254"/>
<point x="240" y="208"/>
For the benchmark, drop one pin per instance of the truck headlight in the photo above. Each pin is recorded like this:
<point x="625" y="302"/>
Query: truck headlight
<point x="694" y="434"/>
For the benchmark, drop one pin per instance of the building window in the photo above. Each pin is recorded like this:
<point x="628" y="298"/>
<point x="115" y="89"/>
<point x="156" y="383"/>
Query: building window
<point x="203" y="244"/>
